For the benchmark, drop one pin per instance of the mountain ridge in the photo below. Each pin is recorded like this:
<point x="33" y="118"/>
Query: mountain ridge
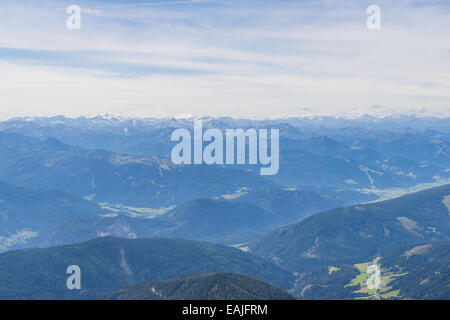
<point x="204" y="286"/>
<point x="358" y="232"/>
<point x="109" y="263"/>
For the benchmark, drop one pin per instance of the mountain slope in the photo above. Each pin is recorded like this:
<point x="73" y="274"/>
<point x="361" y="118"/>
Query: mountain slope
<point x="25" y="212"/>
<point x="301" y="168"/>
<point x="398" y="166"/>
<point x="78" y="229"/>
<point x="204" y="286"/>
<point x="420" y="148"/>
<point x="218" y="221"/>
<point x="413" y="272"/>
<point x="358" y="233"/>
<point x="292" y="204"/>
<point x="232" y="219"/>
<point x="108" y="264"/>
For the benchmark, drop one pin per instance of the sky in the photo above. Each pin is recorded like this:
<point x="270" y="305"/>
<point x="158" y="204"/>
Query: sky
<point x="239" y="58"/>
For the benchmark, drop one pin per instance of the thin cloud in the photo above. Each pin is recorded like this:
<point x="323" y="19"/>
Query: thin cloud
<point x="209" y="57"/>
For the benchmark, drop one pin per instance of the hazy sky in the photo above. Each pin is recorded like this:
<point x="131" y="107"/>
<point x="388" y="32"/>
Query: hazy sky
<point x="236" y="58"/>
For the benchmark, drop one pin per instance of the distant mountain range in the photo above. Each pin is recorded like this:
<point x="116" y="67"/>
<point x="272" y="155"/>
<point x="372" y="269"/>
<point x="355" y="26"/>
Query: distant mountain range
<point x="349" y="153"/>
<point x="108" y="264"/>
<point x="423" y="149"/>
<point x="374" y="168"/>
<point x="106" y="176"/>
<point x="102" y="193"/>
<point x="204" y="286"/>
